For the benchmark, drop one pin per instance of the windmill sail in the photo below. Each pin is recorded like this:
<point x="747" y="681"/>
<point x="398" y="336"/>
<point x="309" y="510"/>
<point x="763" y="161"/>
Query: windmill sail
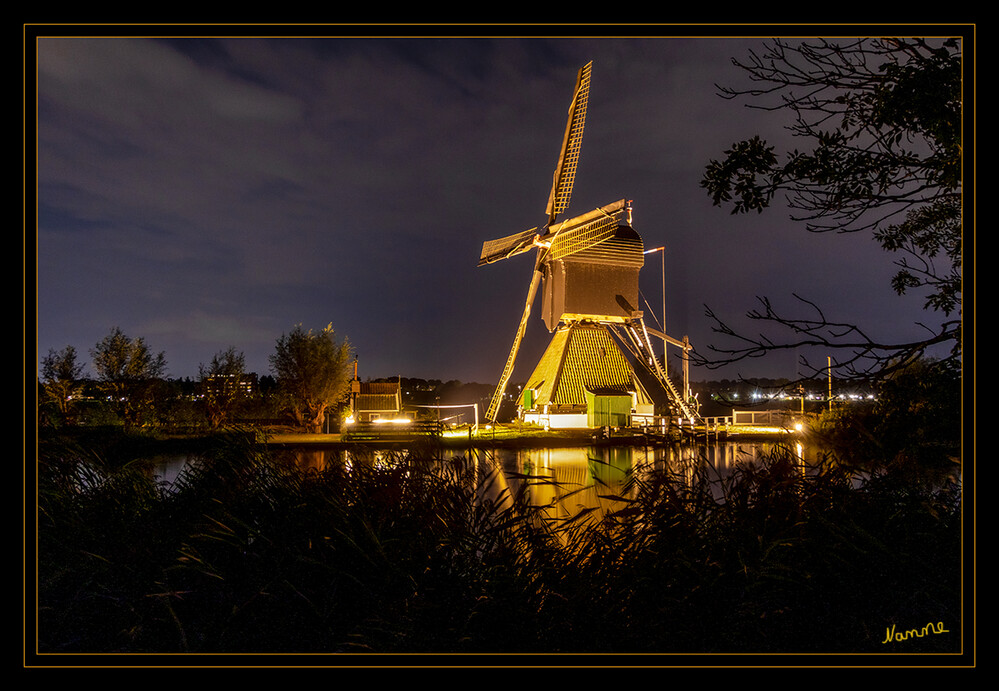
<point x="564" y="239"/>
<point x="501" y="248"/>
<point x="586" y="231"/>
<point x="558" y="200"/>
<point x="497" y="400"/>
<point x="562" y="178"/>
<point x="565" y="170"/>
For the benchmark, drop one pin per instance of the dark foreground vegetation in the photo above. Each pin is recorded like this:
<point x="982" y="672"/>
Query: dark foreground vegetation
<point x="248" y="552"/>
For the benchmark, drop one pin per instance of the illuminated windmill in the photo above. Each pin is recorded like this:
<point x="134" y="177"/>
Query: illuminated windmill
<point x="588" y="269"/>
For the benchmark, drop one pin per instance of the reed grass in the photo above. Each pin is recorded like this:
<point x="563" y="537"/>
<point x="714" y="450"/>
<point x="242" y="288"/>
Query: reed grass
<point x="418" y="553"/>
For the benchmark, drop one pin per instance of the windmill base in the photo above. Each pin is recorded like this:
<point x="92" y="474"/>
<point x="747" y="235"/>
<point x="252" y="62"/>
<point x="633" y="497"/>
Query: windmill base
<point x="584" y="380"/>
<point x="556" y="420"/>
<point x="582" y="420"/>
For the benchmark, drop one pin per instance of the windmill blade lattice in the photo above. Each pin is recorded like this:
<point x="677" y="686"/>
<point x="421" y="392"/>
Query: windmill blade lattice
<point x="586" y="231"/>
<point x="502" y="248"/>
<point x="565" y="170"/>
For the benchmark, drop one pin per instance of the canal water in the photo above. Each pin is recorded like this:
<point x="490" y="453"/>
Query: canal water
<point x="565" y="479"/>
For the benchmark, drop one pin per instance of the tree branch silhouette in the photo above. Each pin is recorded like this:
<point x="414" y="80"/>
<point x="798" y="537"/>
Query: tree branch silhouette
<point x="883" y="122"/>
<point x="858" y="356"/>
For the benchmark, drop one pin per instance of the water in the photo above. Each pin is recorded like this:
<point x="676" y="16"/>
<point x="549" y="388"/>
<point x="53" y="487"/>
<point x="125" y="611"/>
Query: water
<point x="566" y="480"/>
<point x="594" y="477"/>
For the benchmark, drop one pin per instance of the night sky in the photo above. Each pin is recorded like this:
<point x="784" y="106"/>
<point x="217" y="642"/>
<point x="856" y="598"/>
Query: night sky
<point x="208" y="193"/>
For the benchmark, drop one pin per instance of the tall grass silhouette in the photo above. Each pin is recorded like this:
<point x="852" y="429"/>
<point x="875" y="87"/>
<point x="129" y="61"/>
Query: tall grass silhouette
<point x="421" y="552"/>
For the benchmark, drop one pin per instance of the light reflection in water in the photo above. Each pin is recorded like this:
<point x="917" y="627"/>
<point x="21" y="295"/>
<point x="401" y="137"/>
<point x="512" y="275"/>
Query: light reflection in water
<point x="569" y="480"/>
<point x="564" y="480"/>
<point x="597" y="478"/>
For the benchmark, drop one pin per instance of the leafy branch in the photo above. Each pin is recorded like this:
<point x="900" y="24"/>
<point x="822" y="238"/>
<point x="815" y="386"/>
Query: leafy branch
<point x="883" y="119"/>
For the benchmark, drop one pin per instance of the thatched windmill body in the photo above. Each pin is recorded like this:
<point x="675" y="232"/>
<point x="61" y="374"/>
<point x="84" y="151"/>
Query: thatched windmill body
<point x="587" y="268"/>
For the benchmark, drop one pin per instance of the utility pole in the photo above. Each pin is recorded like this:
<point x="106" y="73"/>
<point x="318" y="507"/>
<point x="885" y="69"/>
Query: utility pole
<point x="829" y="367"/>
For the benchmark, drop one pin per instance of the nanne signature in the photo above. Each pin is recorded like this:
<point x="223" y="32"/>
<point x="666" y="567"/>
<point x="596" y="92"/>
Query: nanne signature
<point x="913" y="633"/>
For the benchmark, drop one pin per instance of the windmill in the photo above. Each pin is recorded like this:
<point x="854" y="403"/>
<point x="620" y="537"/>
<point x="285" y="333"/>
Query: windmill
<point x="587" y="268"/>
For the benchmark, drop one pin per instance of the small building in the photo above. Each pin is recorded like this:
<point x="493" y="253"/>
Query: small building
<point x="375" y="401"/>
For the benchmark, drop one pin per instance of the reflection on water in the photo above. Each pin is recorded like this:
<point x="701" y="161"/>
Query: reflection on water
<point x="166" y="469"/>
<point x="570" y="480"/>
<point x="565" y="481"/>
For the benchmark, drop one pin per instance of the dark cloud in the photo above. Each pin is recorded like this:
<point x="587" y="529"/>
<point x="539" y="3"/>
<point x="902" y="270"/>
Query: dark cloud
<point x="207" y="193"/>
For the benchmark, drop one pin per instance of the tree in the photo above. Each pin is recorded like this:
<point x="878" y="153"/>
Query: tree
<point x="222" y="385"/>
<point x="883" y="120"/>
<point x="61" y="379"/>
<point x="127" y="370"/>
<point x="918" y="412"/>
<point x="313" y="373"/>
<point x="915" y="422"/>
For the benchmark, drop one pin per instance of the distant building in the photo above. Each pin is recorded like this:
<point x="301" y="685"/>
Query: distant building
<point x="219" y="384"/>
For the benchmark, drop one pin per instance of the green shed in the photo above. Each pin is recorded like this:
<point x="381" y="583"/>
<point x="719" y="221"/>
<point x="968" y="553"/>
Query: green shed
<point x="608" y="408"/>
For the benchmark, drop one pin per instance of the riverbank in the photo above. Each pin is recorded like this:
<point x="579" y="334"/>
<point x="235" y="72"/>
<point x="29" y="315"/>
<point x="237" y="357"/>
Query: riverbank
<point x="117" y="442"/>
<point x="520" y="436"/>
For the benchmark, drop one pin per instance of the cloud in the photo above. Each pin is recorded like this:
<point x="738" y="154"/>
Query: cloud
<point x="224" y="188"/>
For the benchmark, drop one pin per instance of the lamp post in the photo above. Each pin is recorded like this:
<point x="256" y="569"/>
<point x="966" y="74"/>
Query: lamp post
<point x="662" y="250"/>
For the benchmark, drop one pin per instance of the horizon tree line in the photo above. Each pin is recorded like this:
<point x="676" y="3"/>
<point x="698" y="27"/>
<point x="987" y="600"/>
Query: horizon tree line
<point x="311" y="379"/>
